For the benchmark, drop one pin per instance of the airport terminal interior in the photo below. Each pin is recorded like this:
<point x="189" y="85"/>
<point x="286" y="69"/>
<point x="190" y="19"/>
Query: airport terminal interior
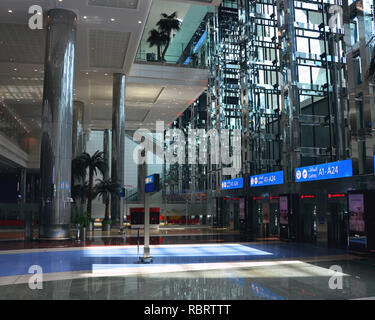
<point x="187" y="149"/>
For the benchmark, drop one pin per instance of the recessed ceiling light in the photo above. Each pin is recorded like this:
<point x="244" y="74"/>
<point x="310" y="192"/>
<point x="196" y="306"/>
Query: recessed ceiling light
<point x="36" y="70"/>
<point x="10" y="11"/>
<point x="15" y="69"/>
<point x="85" y="17"/>
<point x="60" y="0"/>
<point x="113" y="19"/>
<point x="106" y="74"/>
<point x="87" y="73"/>
<point x="139" y="21"/>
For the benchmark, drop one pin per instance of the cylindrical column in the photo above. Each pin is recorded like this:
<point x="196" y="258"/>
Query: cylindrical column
<point x="27" y="215"/>
<point x="141" y="168"/>
<point x="57" y="114"/>
<point x="146" y="247"/>
<point x="106" y="152"/>
<point x="106" y="156"/>
<point x="118" y="144"/>
<point x="77" y="136"/>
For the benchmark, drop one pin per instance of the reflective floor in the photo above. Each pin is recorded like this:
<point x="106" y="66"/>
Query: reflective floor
<point x="218" y="267"/>
<point x="290" y="280"/>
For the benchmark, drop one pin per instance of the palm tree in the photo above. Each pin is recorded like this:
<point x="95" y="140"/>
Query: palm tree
<point x="166" y="25"/>
<point x="79" y="194"/>
<point x="104" y="189"/>
<point x="158" y="39"/>
<point x="93" y="163"/>
<point x="79" y="187"/>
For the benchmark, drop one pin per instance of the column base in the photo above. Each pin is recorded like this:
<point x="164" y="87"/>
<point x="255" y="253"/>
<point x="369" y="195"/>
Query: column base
<point x="145" y="260"/>
<point x="54" y="232"/>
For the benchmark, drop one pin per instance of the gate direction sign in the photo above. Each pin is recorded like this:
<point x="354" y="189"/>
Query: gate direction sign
<point x="331" y="170"/>
<point x="232" y="184"/>
<point x="267" y="179"/>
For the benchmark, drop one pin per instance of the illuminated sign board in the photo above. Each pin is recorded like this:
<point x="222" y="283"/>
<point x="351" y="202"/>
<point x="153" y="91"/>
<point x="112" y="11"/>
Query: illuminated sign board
<point x="152" y="183"/>
<point x="149" y="180"/>
<point x="232" y="184"/>
<point x="332" y="170"/>
<point x="336" y="195"/>
<point x="267" y="179"/>
<point x="307" y="196"/>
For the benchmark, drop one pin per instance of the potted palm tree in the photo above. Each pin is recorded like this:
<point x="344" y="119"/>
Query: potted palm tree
<point x="81" y="222"/>
<point x="79" y="195"/>
<point x="79" y="186"/>
<point x="104" y="189"/>
<point x="158" y="39"/>
<point x="167" y="24"/>
<point x="93" y="163"/>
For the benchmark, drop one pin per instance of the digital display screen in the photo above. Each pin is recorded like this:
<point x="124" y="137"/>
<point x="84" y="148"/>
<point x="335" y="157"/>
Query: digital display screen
<point x="356" y="213"/>
<point x="283" y="210"/>
<point x="232" y="184"/>
<point x="332" y="170"/>
<point x="149" y="179"/>
<point x="242" y="209"/>
<point x="267" y="179"/>
<point x="152" y="183"/>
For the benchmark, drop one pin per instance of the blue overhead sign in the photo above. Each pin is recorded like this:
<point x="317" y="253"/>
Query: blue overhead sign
<point x="232" y="184"/>
<point x="331" y="170"/>
<point x="267" y="179"/>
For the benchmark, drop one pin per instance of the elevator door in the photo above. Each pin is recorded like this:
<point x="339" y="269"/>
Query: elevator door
<point x="338" y="224"/>
<point x="257" y="219"/>
<point x="307" y="221"/>
<point x="236" y="214"/>
<point x="274" y="218"/>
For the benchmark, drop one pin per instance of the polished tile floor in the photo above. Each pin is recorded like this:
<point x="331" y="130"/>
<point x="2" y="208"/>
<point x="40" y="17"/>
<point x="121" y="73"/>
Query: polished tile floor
<point x="200" y="267"/>
<point x="294" y="279"/>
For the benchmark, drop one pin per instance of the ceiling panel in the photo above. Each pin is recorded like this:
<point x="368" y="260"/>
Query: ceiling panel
<point x="143" y="92"/>
<point x="18" y="43"/>
<point x="108" y="48"/>
<point x="123" y="4"/>
<point x="136" y="114"/>
<point x="21" y="88"/>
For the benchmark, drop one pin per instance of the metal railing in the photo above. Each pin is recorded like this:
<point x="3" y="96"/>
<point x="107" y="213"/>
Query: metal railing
<point x="169" y="60"/>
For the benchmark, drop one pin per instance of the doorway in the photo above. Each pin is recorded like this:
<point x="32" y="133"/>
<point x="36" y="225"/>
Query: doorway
<point x="338" y="223"/>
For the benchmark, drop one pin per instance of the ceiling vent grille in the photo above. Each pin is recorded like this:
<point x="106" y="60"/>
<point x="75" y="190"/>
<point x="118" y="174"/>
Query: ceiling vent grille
<point x="108" y="48"/>
<point x="20" y="44"/>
